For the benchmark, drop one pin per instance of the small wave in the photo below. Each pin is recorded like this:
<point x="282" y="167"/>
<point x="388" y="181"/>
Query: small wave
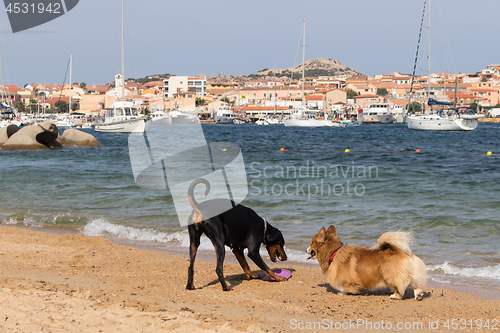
<point x="9" y="220"/>
<point x="102" y="228"/>
<point x="439" y="280"/>
<point x="490" y="272"/>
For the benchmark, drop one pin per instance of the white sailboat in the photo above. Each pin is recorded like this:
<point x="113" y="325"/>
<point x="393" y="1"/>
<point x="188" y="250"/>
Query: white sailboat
<point x="445" y="120"/>
<point x="302" y="116"/>
<point x="122" y="116"/>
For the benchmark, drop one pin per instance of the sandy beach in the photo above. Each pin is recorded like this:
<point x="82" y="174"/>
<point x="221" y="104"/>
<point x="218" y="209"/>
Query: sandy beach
<point x="73" y="283"/>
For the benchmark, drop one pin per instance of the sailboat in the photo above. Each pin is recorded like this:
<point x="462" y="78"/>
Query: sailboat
<point x="444" y="120"/>
<point x="302" y="116"/>
<point x="122" y="115"/>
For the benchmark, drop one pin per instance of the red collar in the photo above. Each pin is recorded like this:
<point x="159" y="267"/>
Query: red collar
<point x="333" y="255"/>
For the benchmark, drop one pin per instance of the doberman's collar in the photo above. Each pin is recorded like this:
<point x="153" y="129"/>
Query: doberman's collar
<point x="333" y="255"/>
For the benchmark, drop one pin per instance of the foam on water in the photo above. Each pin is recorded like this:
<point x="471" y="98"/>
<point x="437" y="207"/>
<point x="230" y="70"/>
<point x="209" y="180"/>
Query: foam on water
<point x="489" y="272"/>
<point x="102" y="228"/>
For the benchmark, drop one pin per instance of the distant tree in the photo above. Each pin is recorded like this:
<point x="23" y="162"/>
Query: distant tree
<point x="382" y="92"/>
<point x="61" y="106"/>
<point x="474" y="106"/>
<point x="20" y="107"/>
<point x="414" y="107"/>
<point x="484" y="78"/>
<point x="225" y="100"/>
<point x="351" y="94"/>
<point x="33" y="107"/>
<point x="199" y="101"/>
<point x="75" y="106"/>
<point x="83" y="85"/>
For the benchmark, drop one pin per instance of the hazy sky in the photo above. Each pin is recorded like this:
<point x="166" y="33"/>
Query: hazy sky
<point x="232" y="37"/>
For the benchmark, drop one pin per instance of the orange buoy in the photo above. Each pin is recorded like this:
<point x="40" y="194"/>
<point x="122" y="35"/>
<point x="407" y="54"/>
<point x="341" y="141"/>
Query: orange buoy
<point x="417" y="151"/>
<point x="282" y="149"/>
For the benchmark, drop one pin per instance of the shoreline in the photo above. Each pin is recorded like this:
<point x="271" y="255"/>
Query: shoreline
<point x="76" y="283"/>
<point x="472" y="285"/>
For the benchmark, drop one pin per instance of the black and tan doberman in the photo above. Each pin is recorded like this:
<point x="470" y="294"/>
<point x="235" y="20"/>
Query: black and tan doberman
<point x="239" y="228"/>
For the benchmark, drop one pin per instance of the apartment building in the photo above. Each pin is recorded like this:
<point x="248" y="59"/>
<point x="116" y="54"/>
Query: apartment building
<point x="184" y="84"/>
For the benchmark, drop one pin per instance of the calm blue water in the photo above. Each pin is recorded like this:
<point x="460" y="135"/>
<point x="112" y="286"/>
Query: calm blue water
<point x="448" y="194"/>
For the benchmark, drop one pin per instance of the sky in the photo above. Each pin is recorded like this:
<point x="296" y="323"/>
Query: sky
<point x="234" y="37"/>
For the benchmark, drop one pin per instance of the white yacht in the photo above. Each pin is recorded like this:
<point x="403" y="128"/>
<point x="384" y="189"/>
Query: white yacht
<point x="443" y="120"/>
<point x="378" y="113"/>
<point x="122" y="117"/>
<point x="451" y="121"/>
<point x="302" y="116"/>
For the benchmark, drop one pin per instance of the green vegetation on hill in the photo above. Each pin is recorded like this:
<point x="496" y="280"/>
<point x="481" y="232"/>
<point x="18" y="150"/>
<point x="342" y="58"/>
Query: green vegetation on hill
<point x="149" y="78"/>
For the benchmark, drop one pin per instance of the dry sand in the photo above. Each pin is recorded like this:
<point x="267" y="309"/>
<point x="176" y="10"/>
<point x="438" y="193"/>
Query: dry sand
<point x="72" y="283"/>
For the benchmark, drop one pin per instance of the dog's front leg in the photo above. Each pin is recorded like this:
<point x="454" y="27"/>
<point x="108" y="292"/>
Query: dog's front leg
<point x="238" y="253"/>
<point x="257" y="259"/>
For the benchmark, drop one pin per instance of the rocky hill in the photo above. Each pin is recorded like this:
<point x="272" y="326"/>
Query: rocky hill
<point x="332" y="66"/>
<point x="318" y="67"/>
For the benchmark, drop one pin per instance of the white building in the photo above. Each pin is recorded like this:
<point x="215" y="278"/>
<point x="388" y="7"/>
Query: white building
<point x="178" y="84"/>
<point x="118" y="92"/>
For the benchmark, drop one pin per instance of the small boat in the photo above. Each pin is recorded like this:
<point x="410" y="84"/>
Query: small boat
<point x="122" y="117"/>
<point x="64" y="121"/>
<point x="226" y="116"/>
<point x="174" y="117"/>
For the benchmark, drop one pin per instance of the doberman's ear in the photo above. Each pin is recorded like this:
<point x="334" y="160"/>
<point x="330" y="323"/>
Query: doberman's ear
<point x="272" y="234"/>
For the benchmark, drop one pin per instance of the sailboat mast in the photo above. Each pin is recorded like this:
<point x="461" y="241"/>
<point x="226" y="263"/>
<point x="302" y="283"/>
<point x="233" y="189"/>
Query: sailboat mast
<point x="303" y="61"/>
<point x="123" y="55"/>
<point x="70" y="80"/>
<point x="275" y="97"/>
<point x="429" y="55"/>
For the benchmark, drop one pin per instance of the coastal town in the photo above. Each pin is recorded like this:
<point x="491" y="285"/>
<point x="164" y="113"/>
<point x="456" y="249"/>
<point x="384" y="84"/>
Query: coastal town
<point x="267" y="94"/>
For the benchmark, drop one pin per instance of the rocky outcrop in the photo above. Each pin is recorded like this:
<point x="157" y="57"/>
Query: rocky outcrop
<point x="74" y="137"/>
<point x="7" y="132"/>
<point x="43" y="136"/>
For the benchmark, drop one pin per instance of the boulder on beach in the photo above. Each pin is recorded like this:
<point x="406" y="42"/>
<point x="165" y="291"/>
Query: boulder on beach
<point x="3" y="135"/>
<point x="74" y="137"/>
<point x="40" y="136"/>
<point x="7" y="132"/>
<point x="11" y="129"/>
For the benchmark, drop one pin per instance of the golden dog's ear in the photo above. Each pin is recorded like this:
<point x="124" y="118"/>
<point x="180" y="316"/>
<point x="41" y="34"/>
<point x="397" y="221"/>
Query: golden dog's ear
<point x="322" y="235"/>
<point x="331" y="231"/>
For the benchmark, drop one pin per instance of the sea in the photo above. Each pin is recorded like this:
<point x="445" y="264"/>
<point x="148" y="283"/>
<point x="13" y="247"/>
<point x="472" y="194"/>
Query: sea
<point x="365" y="180"/>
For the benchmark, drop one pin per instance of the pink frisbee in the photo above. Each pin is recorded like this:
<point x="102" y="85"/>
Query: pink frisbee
<point x="280" y="272"/>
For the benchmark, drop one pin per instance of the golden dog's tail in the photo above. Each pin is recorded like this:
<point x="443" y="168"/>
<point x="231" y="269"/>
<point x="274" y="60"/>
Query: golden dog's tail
<point x="400" y="241"/>
<point x="396" y="240"/>
<point x="197" y="215"/>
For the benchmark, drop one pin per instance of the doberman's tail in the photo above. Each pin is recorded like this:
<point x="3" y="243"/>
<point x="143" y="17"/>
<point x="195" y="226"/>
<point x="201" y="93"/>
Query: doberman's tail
<point x="197" y="215"/>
